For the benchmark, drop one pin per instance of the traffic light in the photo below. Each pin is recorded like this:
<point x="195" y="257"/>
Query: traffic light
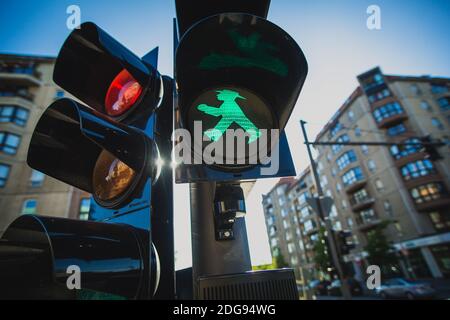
<point x="236" y="73"/>
<point x="344" y="241"/>
<point x="109" y="148"/>
<point x="430" y="148"/>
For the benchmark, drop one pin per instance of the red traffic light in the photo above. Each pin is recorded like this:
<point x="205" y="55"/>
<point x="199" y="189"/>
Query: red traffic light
<point x="122" y="94"/>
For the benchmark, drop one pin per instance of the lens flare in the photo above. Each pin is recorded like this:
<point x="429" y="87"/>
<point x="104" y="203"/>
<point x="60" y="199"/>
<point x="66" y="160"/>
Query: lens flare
<point x="111" y="177"/>
<point x="122" y="94"/>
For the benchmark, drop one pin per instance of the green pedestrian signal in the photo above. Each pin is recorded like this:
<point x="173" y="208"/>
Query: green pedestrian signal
<point x="230" y="112"/>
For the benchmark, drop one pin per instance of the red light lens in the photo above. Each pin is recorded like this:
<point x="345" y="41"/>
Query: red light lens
<point x="122" y="94"/>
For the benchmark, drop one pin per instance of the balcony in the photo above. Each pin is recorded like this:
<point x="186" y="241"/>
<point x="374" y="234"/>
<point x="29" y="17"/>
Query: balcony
<point x="360" y="204"/>
<point x="392" y="120"/>
<point x="434" y="204"/>
<point x="368" y="224"/>
<point x="429" y="178"/>
<point x="355" y="186"/>
<point x="400" y="162"/>
<point x="26" y="79"/>
<point x="17" y="98"/>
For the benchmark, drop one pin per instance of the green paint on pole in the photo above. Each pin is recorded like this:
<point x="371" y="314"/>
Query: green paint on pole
<point x="231" y="112"/>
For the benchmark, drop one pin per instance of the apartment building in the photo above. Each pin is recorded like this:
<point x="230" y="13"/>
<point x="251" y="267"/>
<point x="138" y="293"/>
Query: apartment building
<point x="370" y="184"/>
<point x="26" y="89"/>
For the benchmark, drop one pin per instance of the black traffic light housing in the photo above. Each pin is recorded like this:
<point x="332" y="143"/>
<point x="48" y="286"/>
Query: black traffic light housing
<point x="108" y="148"/>
<point x="69" y="139"/>
<point x="344" y="241"/>
<point x="430" y="148"/>
<point x="241" y="59"/>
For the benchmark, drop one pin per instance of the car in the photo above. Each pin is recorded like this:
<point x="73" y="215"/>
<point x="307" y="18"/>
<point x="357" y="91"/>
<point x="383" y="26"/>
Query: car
<point x="319" y="287"/>
<point x="402" y="288"/>
<point x="334" y="289"/>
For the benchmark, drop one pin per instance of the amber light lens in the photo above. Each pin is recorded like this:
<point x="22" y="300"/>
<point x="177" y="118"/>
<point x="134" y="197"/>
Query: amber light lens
<point x="111" y="177"/>
<point x="122" y="94"/>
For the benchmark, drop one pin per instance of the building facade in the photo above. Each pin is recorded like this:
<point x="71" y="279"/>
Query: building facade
<point x="401" y="184"/>
<point x="371" y="184"/>
<point x="26" y="89"/>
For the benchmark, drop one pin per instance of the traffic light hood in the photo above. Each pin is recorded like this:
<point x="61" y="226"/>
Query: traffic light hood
<point x="69" y="138"/>
<point x="245" y="52"/>
<point x="90" y="60"/>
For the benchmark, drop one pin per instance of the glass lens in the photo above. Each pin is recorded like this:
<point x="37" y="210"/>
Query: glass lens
<point x="111" y="177"/>
<point x="122" y="94"/>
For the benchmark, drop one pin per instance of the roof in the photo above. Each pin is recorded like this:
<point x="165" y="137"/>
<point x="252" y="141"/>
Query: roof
<point x="39" y="58"/>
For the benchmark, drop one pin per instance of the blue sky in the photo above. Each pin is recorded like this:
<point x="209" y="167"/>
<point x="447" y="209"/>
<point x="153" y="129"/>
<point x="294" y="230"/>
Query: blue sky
<point x="413" y="40"/>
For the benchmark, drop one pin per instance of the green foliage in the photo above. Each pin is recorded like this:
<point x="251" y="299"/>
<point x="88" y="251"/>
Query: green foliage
<point x="379" y="248"/>
<point x="277" y="263"/>
<point x="321" y="255"/>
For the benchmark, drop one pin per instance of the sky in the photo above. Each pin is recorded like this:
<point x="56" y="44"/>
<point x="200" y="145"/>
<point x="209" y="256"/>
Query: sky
<point x="413" y="40"/>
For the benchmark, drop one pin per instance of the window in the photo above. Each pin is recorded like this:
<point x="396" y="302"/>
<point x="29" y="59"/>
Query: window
<point x="365" y="149"/>
<point x="337" y="226"/>
<point x="379" y="185"/>
<point x="347" y="158"/>
<point x="9" y="142"/>
<point x="333" y="172"/>
<point x="328" y="157"/>
<point x="37" y="178"/>
<point x="402" y="151"/>
<point x="338" y="187"/>
<point x="309" y="225"/>
<point x="344" y="204"/>
<point x="294" y="260"/>
<point x="428" y="192"/>
<point x="440" y="220"/>
<point x="357" y="131"/>
<point x="291" y="247"/>
<point x="417" y="169"/>
<point x="398" y="228"/>
<point x="396" y="130"/>
<point x="444" y="103"/>
<point x="4" y="173"/>
<point x="324" y="181"/>
<point x="271" y="220"/>
<point x="302" y="197"/>
<point x="14" y="114"/>
<point x="305" y="212"/>
<point x="288" y="236"/>
<point x="284" y="213"/>
<point x="438" y="88"/>
<point x="281" y="201"/>
<point x="351" y="116"/>
<point x="280" y="190"/>
<point x="335" y="129"/>
<point x="286" y="224"/>
<point x="336" y="148"/>
<point x="85" y="204"/>
<point x="359" y="196"/>
<point x="349" y="222"/>
<point x="351" y="176"/>
<point x="425" y="106"/>
<point x="328" y="193"/>
<point x="415" y="89"/>
<point x="29" y="206"/>
<point x="274" y="242"/>
<point x="436" y="123"/>
<point x="386" y="111"/>
<point x="371" y="165"/>
<point x="367" y="216"/>
<point x="388" y="208"/>
<point x="379" y="95"/>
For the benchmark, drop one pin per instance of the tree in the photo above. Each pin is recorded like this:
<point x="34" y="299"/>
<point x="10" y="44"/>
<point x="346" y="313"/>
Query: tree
<point x="380" y="249"/>
<point x="277" y="262"/>
<point x="321" y="256"/>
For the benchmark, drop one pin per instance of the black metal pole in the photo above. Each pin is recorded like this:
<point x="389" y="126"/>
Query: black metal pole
<point x="330" y="236"/>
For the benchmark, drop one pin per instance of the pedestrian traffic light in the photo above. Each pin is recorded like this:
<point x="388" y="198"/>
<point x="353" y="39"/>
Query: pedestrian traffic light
<point x="345" y="242"/>
<point x="108" y="148"/>
<point x="240" y="74"/>
<point x="430" y="148"/>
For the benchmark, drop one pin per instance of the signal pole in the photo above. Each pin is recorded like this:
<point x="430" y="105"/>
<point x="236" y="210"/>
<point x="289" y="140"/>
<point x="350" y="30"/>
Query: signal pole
<point x="327" y="222"/>
<point x="209" y="256"/>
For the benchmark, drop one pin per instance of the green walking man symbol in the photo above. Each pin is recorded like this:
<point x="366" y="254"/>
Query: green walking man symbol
<point x="231" y="112"/>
